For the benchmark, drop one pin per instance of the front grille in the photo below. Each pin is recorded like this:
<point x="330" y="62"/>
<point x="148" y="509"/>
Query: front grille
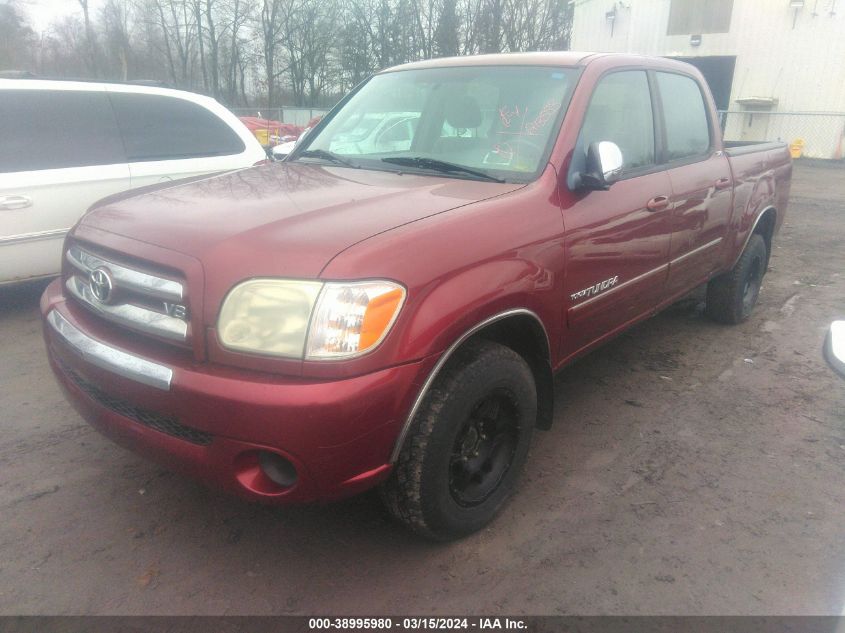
<point x="133" y="298"/>
<point x="166" y="424"/>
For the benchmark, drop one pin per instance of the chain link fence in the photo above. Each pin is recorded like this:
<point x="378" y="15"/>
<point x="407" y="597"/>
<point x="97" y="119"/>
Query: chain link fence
<point x="809" y="134"/>
<point x="294" y="116"/>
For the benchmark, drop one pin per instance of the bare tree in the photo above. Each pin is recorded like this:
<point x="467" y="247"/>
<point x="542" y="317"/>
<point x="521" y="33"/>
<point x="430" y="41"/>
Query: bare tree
<point x="90" y="44"/>
<point x="233" y="56"/>
<point x="115" y="27"/>
<point x="271" y="26"/>
<point x="308" y="32"/>
<point x="213" y="40"/>
<point x="446" y="36"/>
<point x="177" y="24"/>
<point x="17" y="40"/>
<point x="268" y="51"/>
<point x="356" y="43"/>
<point x="426" y="14"/>
<point x="196" y="7"/>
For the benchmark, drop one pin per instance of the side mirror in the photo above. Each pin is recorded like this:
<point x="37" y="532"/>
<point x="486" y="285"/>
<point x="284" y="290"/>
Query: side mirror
<point x="603" y="166"/>
<point x="280" y="152"/>
<point x="284" y="150"/>
<point x="834" y="346"/>
<point x="302" y="136"/>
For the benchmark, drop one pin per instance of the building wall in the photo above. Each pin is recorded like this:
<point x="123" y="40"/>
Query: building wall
<point x="802" y="67"/>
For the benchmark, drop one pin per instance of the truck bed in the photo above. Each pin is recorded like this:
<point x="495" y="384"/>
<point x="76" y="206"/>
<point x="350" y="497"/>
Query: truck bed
<point x="739" y="148"/>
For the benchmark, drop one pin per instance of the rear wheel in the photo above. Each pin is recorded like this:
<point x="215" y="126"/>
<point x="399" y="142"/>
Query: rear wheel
<point x="731" y="297"/>
<point x="467" y="444"/>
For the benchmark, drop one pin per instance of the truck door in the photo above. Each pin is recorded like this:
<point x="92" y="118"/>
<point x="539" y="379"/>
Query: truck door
<point x="617" y="241"/>
<point x="702" y="189"/>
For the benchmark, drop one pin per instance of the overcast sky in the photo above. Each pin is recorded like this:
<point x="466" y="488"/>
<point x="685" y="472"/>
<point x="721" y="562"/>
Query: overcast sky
<point x="42" y="12"/>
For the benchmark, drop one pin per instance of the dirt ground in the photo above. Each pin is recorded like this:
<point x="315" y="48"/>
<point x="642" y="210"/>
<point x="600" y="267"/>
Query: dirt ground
<point x="693" y="469"/>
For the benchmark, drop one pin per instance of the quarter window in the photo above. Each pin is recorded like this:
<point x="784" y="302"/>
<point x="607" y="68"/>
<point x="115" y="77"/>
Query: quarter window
<point x="164" y="128"/>
<point x="620" y="111"/>
<point x="687" y="132"/>
<point x="54" y="129"/>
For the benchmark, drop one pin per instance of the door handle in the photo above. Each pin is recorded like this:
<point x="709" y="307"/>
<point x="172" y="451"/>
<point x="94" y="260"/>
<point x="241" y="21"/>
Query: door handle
<point x="15" y="202"/>
<point x="723" y="183"/>
<point x="658" y="203"/>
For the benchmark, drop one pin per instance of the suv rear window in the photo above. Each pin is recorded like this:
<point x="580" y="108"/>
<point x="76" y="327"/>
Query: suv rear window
<point x="163" y="128"/>
<point x="54" y="129"/>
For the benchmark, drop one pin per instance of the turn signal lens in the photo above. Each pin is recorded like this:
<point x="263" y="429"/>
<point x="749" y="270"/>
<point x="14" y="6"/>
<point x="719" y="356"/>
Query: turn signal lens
<point x="352" y="318"/>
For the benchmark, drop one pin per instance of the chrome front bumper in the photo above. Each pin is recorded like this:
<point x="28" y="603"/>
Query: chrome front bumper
<point x="110" y="358"/>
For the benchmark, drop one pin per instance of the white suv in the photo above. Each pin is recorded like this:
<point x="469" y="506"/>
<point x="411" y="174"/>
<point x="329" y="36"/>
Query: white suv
<point x="66" y="144"/>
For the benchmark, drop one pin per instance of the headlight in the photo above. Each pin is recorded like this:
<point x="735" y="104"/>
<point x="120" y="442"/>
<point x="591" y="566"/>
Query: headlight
<point x="272" y="316"/>
<point x="268" y="316"/>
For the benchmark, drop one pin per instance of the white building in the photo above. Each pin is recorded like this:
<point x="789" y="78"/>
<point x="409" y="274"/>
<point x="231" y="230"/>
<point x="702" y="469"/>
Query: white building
<point x="770" y="57"/>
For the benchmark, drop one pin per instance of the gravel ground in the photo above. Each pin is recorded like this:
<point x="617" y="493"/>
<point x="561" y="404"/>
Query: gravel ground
<point x="693" y="469"/>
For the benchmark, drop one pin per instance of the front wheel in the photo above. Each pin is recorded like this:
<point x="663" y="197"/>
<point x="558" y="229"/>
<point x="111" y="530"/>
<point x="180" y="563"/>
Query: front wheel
<point x="467" y="444"/>
<point x="732" y="296"/>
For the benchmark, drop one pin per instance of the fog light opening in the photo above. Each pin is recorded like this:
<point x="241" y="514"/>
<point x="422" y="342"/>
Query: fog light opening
<point x="279" y="470"/>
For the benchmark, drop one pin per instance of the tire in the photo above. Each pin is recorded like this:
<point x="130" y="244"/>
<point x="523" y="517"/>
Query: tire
<point x="467" y="444"/>
<point x="731" y="297"/>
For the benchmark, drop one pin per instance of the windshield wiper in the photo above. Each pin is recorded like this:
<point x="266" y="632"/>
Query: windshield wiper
<point x="327" y="155"/>
<point x="434" y="164"/>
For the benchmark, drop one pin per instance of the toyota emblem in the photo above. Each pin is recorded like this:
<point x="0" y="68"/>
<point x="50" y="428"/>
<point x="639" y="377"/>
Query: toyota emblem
<point x="101" y="284"/>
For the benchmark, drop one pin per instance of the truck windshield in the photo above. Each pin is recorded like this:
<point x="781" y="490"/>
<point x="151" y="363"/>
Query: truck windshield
<point x="497" y="121"/>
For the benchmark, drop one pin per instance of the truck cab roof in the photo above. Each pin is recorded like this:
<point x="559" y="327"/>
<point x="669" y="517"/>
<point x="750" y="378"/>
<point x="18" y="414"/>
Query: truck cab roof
<point x="547" y="58"/>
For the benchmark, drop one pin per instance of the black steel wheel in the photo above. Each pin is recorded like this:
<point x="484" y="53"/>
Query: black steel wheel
<point x="731" y="297"/>
<point x="466" y="445"/>
<point x="484" y="448"/>
<point x="753" y="281"/>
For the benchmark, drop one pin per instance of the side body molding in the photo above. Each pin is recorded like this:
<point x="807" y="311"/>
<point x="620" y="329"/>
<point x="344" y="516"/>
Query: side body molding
<point x="444" y="358"/>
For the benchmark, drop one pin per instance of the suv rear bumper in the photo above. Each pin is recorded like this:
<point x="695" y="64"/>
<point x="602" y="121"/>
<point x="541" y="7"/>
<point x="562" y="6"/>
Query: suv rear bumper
<point x="212" y="422"/>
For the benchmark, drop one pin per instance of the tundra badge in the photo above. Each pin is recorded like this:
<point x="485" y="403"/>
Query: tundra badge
<point x="596" y="289"/>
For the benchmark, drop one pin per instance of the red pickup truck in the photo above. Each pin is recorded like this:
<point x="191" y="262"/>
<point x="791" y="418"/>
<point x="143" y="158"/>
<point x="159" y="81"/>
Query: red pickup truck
<point x="389" y="305"/>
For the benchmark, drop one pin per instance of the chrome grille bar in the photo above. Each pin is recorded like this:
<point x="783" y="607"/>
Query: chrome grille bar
<point x="132" y="316"/>
<point x="110" y="358"/>
<point x="127" y="278"/>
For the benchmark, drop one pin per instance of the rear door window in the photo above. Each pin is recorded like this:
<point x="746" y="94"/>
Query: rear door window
<point x="156" y="127"/>
<point x="685" y="116"/>
<point x="54" y="129"/>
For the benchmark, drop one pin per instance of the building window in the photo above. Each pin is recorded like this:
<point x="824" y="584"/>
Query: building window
<point x="689" y="17"/>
